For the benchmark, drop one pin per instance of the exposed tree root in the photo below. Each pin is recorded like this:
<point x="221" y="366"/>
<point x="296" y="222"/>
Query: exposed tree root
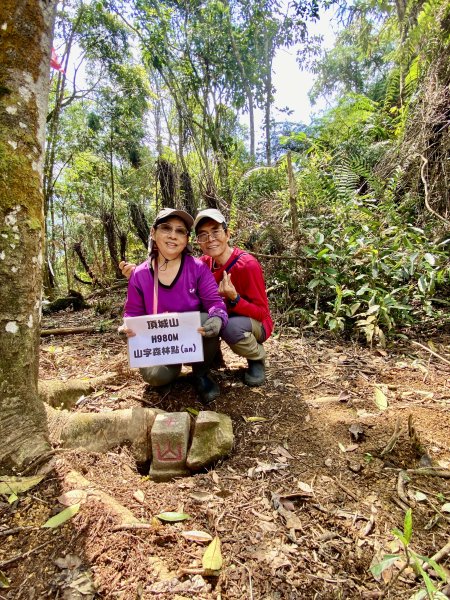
<point x="124" y="517"/>
<point x="100" y="432"/>
<point x="64" y="394"/>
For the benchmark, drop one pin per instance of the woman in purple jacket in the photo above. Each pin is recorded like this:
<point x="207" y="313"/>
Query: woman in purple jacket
<point x="184" y="284"/>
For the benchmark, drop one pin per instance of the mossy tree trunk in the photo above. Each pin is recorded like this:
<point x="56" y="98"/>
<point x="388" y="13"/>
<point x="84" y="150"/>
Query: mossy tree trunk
<point x="25" y="44"/>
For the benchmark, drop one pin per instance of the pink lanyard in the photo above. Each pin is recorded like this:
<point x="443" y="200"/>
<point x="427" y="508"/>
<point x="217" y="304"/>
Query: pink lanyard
<point x="155" y="286"/>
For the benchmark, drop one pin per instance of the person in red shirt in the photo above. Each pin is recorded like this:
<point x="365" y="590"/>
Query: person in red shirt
<point x="241" y="283"/>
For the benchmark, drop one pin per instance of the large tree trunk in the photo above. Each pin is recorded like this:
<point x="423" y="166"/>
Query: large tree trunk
<point x="25" y="43"/>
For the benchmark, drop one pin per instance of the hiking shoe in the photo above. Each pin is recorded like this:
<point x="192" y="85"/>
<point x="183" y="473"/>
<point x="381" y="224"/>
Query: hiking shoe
<point x="207" y="388"/>
<point x="255" y="374"/>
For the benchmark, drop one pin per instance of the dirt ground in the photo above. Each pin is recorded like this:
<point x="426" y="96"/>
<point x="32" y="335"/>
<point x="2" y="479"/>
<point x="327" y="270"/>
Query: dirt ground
<point x="303" y="507"/>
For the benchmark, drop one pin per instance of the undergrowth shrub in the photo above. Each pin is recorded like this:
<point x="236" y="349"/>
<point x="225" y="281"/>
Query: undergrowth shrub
<point x="363" y="269"/>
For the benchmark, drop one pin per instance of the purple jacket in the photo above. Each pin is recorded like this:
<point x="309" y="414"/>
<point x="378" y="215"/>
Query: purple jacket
<point x="194" y="288"/>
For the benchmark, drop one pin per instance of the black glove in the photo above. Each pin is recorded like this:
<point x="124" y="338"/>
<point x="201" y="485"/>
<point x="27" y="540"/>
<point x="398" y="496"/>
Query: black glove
<point x="212" y="326"/>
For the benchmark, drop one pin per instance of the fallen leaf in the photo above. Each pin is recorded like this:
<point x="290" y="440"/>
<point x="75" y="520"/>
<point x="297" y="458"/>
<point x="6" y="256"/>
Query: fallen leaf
<point x="287" y="504"/>
<point x="419" y="496"/>
<point x="17" y="485"/>
<point x="446" y="507"/>
<point x="351" y="448"/>
<point x="192" y="411"/>
<point x="261" y="516"/>
<point x="342" y="447"/>
<point x="282" y="451"/>
<point x="70" y="561"/>
<point x="139" y="496"/>
<point x="255" y="419"/>
<point x="72" y="497"/>
<point x="304" y="487"/>
<point x="173" y="517"/>
<point x="212" y="558"/>
<point x="4" y="581"/>
<point x="201" y="496"/>
<point x="265" y="468"/>
<point x="215" y="477"/>
<point x="197" y="536"/>
<point x="62" y="516"/>
<point x="84" y="585"/>
<point x="381" y="399"/>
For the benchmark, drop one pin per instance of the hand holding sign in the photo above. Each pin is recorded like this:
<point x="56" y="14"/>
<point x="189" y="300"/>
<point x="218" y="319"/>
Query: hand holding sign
<point x="211" y="327"/>
<point x="124" y="330"/>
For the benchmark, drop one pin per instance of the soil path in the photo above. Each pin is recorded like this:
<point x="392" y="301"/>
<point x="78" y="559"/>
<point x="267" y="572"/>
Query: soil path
<point x="303" y="507"/>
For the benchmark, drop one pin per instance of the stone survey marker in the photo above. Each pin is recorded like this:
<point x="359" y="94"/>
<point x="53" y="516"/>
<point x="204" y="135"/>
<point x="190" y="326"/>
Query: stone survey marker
<point x="212" y="438"/>
<point x="170" y="439"/>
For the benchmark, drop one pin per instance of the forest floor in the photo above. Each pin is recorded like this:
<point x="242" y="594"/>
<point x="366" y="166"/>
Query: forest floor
<point x="303" y="506"/>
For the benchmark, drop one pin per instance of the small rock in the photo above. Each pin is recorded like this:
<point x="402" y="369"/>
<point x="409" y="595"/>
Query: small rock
<point x="356" y="432"/>
<point x="354" y="467"/>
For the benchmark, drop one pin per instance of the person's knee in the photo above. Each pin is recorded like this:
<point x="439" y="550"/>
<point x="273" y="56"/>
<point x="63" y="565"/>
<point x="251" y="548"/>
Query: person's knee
<point x="235" y="331"/>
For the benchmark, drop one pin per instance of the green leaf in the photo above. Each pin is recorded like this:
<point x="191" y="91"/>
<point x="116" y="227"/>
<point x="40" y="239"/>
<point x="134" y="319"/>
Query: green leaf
<point x="407" y="525"/>
<point x="322" y="252"/>
<point x="192" y="411"/>
<point x="373" y="309"/>
<point x="422" y="284"/>
<point x="320" y="238"/>
<point x="440" y="571"/>
<point x="62" y="517"/>
<point x="4" y="581"/>
<point x="313" y="283"/>
<point x="173" y="517"/>
<point x="212" y="558"/>
<point x="362" y="290"/>
<point x="354" y="307"/>
<point x="400" y="536"/>
<point x="332" y="324"/>
<point x="387" y="561"/>
<point x="17" y="485"/>
<point x="12" y="498"/>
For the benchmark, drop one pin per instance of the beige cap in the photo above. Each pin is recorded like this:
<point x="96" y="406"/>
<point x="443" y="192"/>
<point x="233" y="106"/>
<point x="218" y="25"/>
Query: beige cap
<point x="209" y="213"/>
<point x="164" y="213"/>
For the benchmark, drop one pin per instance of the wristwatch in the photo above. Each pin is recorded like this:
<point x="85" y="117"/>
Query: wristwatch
<point x="235" y="301"/>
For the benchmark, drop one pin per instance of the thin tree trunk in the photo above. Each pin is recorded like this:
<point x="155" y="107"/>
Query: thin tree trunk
<point x="246" y="85"/>
<point x="25" y="42"/>
<point x="268" y="93"/>
<point x="66" y="258"/>
<point x="292" y="195"/>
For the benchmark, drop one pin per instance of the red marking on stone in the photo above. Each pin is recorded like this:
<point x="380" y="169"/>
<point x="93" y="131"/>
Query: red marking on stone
<point x="169" y="454"/>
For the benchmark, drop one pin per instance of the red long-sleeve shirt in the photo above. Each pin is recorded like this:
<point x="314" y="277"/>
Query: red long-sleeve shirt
<point x="248" y="279"/>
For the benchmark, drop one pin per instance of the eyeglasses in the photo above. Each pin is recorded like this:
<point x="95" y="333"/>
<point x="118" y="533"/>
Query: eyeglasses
<point x="168" y="230"/>
<point x="212" y="235"/>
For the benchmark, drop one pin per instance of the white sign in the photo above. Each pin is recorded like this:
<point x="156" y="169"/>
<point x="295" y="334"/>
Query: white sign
<point x="164" y="339"/>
